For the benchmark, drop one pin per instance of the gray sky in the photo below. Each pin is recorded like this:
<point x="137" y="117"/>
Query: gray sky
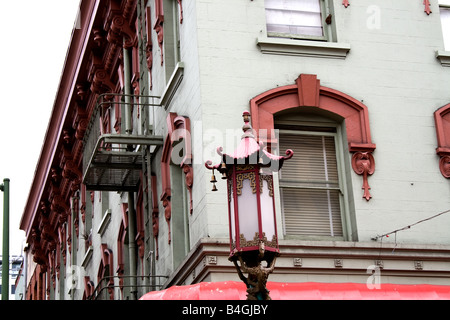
<point x="34" y="38"/>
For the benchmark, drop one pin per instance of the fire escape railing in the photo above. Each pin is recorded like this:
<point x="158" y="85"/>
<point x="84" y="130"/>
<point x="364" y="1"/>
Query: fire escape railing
<point x="112" y="161"/>
<point x="103" y="289"/>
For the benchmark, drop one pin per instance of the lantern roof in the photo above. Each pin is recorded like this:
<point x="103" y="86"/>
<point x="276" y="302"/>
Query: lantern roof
<point x="249" y="151"/>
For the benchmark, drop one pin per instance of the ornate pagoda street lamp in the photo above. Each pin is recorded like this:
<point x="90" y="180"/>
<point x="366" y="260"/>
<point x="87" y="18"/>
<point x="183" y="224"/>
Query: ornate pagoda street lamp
<point x="251" y="209"/>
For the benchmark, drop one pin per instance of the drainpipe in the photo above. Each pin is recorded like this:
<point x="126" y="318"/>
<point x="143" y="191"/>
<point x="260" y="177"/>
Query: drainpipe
<point x="131" y="212"/>
<point x="5" y="255"/>
<point x="132" y="244"/>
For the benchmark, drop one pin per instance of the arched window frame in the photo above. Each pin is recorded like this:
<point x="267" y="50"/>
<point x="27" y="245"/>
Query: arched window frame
<point x="307" y="92"/>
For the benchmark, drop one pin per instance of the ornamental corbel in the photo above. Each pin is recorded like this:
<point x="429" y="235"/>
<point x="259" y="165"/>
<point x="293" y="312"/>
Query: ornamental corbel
<point x="363" y="163"/>
<point x="442" y="122"/>
<point x="444" y="166"/>
<point x="427" y="6"/>
<point x="120" y="33"/>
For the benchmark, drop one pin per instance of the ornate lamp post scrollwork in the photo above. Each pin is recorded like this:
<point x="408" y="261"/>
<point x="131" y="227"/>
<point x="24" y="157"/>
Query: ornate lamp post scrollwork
<point x="251" y="209"/>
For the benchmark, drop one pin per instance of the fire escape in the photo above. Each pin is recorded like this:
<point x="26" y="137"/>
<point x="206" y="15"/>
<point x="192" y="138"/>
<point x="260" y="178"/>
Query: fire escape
<point x="121" y="160"/>
<point x="112" y="161"/>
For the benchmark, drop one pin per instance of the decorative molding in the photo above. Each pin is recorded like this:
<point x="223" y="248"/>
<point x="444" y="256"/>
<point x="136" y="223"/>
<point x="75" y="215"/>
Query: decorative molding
<point x="210" y="260"/>
<point x="427" y="6"/>
<point x="106" y="263"/>
<point x="363" y="164"/>
<point x="179" y="129"/>
<point x="318" y="261"/>
<point x="298" y="262"/>
<point x="181" y="10"/>
<point x="307" y="92"/>
<point x="443" y="57"/>
<point x="418" y="265"/>
<point x="307" y="48"/>
<point x="442" y="123"/>
<point x="379" y="263"/>
<point x="339" y="263"/>
<point x="444" y="166"/>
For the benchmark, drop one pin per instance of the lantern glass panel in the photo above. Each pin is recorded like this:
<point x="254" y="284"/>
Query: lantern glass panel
<point x="232" y="215"/>
<point x="267" y="208"/>
<point x="248" y="211"/>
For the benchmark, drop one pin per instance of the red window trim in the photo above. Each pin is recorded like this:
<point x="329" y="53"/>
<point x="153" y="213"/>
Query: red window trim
<point x="307" y="92"/>
<point x="179" y="128"/>
<point x="442" y="121"/>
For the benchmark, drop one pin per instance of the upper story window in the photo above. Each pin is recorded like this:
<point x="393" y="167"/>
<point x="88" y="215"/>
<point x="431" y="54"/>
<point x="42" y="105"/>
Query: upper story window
<point x="311" y="185"/>
<point x="444" y="8"/>
<point x="297" y="19"/>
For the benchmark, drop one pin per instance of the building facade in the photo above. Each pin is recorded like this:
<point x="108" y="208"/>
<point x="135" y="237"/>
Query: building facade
<point x="15" y="273"/>
<point x="121" y="202"/>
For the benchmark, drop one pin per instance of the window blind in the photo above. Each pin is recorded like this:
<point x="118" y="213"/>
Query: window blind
<point x="294" y="17"/>
<point x="309" y="185"/>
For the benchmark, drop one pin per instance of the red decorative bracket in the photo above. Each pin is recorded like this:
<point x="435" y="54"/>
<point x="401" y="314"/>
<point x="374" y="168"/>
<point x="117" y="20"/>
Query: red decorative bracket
<point x="179" y="129"/>
<point x="442" y="120"/>
<point x="159" y="26"/>
<point x="427" y="6"/>
<point x="345" y="3"/>
<point x="181" y="11"/>
<point x="363" y="164"/>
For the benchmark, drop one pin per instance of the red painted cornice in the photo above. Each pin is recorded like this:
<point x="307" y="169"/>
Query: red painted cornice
<point x="61" y="105"/>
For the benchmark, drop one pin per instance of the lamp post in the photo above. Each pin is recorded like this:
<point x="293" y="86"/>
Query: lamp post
<point x="251" y="209"/>
<point x="5" y="254"/>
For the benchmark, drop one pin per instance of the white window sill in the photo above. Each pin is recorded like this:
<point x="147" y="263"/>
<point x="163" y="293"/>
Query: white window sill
<point x="172" y="85"/>
<point x="307" y="48"/>
<point x="105" y="222"/>
<point x="87" y="257"/>
<point x="444" y="57"/>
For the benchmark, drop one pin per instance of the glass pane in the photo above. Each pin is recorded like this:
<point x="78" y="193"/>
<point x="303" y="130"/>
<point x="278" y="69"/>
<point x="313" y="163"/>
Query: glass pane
<point x="267" y="211"/>
<point x="248" y="212"/>
<point x="445" y="21"/>
<point x="294" y="17"/>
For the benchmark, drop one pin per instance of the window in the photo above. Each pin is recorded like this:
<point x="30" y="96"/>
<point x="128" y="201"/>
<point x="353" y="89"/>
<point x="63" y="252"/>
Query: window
<point x="301" y="28"/>
<point x="171" y="37"/>
<point x="180" y="216"/>
<point x="314" y="197"/>
<point x="444" y="8"/>
<point x="296" y="19"/>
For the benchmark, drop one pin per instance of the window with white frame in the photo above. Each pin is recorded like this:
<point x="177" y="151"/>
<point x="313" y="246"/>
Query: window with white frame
<point x="444" y="8"/>
<point x="313" y="192"/>
<point x="296" y="19"/>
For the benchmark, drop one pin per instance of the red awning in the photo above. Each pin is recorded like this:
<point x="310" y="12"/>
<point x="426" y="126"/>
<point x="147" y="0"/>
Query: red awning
<point x="233" y="290"/>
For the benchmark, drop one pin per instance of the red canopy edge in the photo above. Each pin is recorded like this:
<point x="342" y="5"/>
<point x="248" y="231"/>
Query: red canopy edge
<point x="233" y="290"/>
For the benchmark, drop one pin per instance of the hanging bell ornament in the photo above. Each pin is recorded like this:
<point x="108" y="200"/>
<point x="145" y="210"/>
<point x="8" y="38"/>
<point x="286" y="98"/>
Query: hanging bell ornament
<point x="213" y="181"/>
<point x="224" y="167"/>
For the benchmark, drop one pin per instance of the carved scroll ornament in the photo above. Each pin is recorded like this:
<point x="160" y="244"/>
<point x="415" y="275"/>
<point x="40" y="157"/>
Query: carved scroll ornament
<point x="427" y="6"/>
<point x="442" y="122"/>
<point x="363" y="164"/>
<point x="444" y="165"/>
